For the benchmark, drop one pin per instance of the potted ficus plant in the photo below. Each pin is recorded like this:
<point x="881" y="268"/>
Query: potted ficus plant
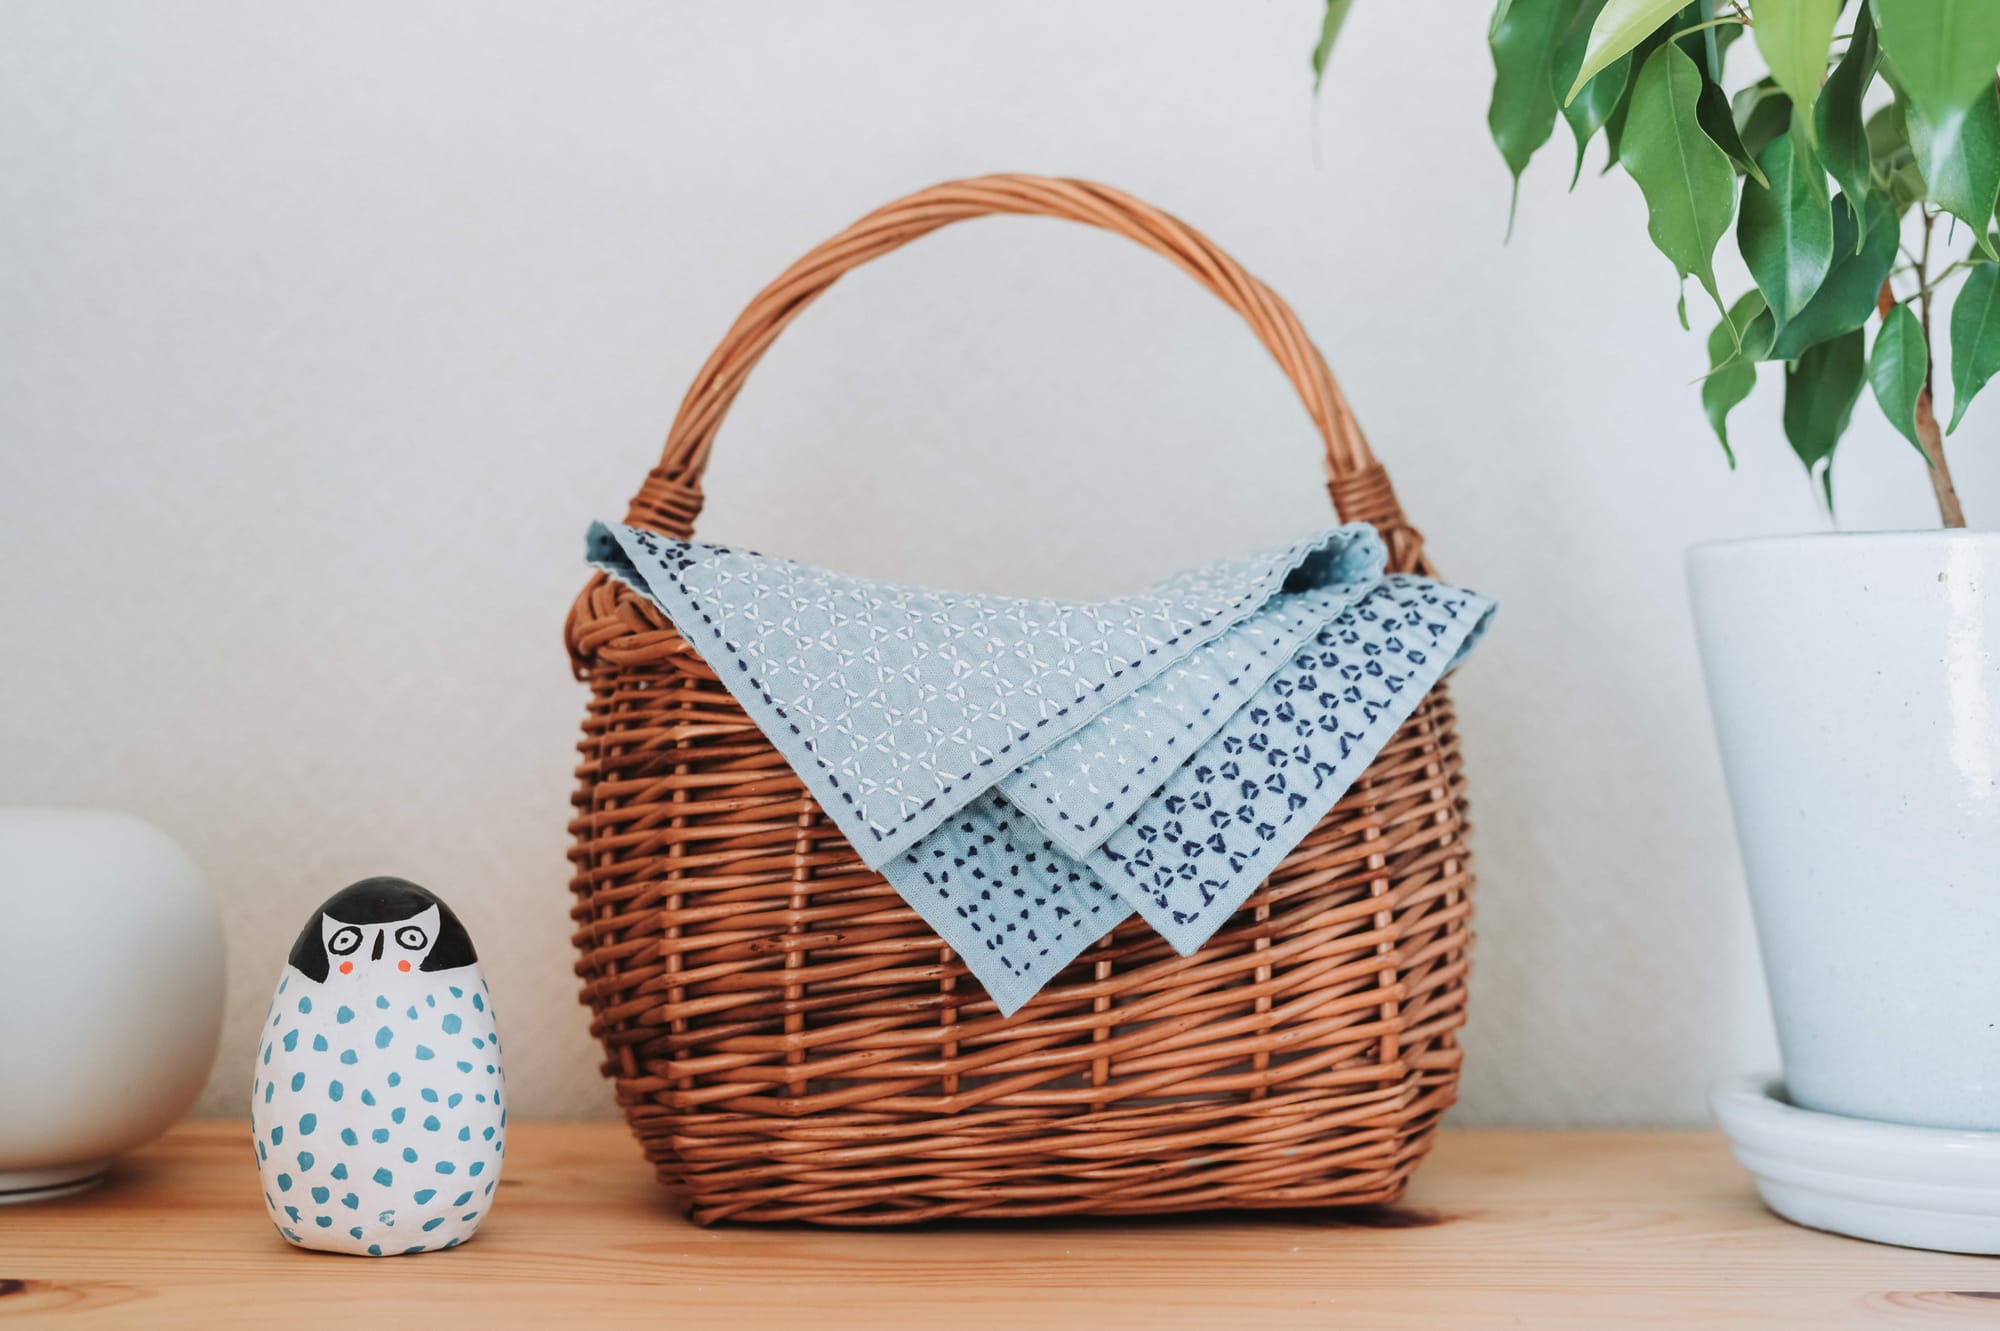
<point x="1854" y="677"/>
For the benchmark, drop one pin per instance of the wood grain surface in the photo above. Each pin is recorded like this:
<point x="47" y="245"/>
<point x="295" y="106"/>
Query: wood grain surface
<point x="1500" y="1229"/>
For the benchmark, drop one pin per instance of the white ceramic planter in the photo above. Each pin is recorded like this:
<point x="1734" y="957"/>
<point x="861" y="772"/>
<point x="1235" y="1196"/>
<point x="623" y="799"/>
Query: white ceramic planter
<point x="1855" y="682"/>
<point x="111" y="988"/>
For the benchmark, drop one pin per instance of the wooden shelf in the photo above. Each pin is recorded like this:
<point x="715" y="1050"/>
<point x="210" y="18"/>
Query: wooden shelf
<point x="1509" y="1229"/>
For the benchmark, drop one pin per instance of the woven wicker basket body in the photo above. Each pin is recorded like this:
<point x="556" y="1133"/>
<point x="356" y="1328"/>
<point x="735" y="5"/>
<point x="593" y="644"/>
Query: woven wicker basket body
<point x="789" y="1040"/>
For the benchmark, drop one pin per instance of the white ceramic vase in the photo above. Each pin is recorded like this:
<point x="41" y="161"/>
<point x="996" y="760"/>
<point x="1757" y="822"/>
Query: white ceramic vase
<point x="111" y="990"/>
<point x="1855" y="682"/>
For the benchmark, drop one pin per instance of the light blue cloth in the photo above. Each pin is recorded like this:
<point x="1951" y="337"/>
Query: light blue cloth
<point x="1028" y="772"/>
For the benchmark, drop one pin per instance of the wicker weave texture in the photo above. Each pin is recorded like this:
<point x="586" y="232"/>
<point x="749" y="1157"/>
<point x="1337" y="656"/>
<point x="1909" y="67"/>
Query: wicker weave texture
<point x="789" y="1040"/>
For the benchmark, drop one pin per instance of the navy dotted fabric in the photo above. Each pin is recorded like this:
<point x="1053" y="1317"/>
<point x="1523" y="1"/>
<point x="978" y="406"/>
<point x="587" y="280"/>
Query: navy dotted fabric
<point x="1175" y="795"/>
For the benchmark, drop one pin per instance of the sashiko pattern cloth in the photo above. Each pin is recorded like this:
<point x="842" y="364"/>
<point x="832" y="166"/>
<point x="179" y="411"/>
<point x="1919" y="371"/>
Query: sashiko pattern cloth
<point x="1027" y="773"/>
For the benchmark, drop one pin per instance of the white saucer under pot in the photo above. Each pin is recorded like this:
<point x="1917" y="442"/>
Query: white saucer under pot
<point x="1918" y="1187"/>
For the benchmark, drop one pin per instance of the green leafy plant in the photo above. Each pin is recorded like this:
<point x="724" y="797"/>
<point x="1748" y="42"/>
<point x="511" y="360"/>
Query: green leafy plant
<point x="1859" y="173"/>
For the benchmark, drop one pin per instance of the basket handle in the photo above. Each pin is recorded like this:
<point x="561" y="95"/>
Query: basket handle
<point x="671" y="496"/>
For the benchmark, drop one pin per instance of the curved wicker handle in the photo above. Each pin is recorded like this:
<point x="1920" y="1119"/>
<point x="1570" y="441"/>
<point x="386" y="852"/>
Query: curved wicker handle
<point x="671" y="496"/>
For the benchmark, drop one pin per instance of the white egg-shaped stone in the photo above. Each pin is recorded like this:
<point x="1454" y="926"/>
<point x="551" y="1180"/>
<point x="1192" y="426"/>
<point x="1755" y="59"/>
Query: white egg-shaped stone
<point x="377" y="1098"/>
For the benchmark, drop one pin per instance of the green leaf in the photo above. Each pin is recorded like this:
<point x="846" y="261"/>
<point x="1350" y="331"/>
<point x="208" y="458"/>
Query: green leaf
<point x="1959" y="155"/>
<point x="1896" y="370"/>
<point x="1786" y="232"/>
<point x="1621" y="25"/>
<point x="1892" y="159"/>
<point x="1794" y="36"/>
<point x="1944" y="50"/>
<point x="1712" y="112"/>
<point x="1689" y="186"/>
<point x="1329" y="33"/>
<point x="1732" y="372"/>
<point x="1762" y="113"/>
<point x="1522" y="113"/>
<point x="1843" y="136"/>
<point x="1975" y="338"/>
<point x="1821" y="388"/>
<point x="1853" y="284"/>
<point x="1601" y="96"/>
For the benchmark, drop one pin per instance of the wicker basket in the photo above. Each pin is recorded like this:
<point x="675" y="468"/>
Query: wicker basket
<point x="789" y="1041"/>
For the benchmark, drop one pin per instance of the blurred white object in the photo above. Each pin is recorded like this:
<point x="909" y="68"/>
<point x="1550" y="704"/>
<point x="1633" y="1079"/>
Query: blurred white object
<point x="1934" y="1188"/>
<point x="1855" y="681"/>
<point x="111" y="991"/>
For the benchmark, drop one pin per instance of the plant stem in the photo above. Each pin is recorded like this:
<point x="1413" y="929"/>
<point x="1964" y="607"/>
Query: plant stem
<point x="1928" y="434"/>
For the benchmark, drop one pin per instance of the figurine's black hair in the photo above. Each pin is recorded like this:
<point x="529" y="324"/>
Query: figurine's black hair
<point x="383" y="901"/>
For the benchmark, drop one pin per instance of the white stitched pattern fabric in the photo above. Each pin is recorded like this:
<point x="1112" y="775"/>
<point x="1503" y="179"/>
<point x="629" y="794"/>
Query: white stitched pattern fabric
<point x="1027" y="773"/>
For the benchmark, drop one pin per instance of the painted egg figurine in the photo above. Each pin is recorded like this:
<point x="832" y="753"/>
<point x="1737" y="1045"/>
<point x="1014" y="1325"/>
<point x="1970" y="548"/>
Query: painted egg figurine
<point x="376" y="1104"/>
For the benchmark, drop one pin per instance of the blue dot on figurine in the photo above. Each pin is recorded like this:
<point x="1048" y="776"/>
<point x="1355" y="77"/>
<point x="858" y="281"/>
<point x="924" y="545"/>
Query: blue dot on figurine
<point x="385" y="1178"/>
<point x="478" y="1003"/>
<point x="334" y="1090"/>
<point x="321" y="1194"/>
<point x="352" y="1203"/>
<point x="395" y="1079"/>
<point x="354" y="1233"/>
<point x="382" y="1037"/>
<point x="349" y="1057"/>
<point x="307" y="1122"/>
<point x="380" y="1134"/>
<point x="413" y="1248"/>
<point x="433" y="1223"/>
<point x="429" y="1094"/>
<point x="344" y="1015"/>
<point x="323" y="1221"/>
<point x="396" y="1114"/>
<point x="451" y="1023"/>
<point x="306" y="1004"/>
<point x="270" y="1087"/>
<point x="412" y="1013"/>
<point x="291" y="1041"/>
<point x="423" y="1195"/>
<point x="298" y="1081"/>
<point x="449" y="1243"/>
<point x="456" y="992"/>
<point x="409" y="1155"/>
<point x="382" y="1001"/>
<point x="470" y="1215"/>
<point x="284" y="1183"/>
<point x="374" y="1249"/>
<point x="464" y="1066"/>
<point x="305" y="1161"/>
<point x="319" y="1044"/>
<point x="478" y="1166"/>
<point x="424" y="1052"/>
<point x="446" y="1167"/>
<point x="284" y="984"/>
<point x="453" y="1103"/>
<point x="293" y="1212"/>
<point x="463" y="1198"/>
<point x="367" y="1096"/>
<point x="465" y="1134"/>
<point x="267" y="1054"/>
<point x="431" y="1123"/>
<point x="430" y="1000"/>
<point x="277" y="1134"/>
<point x="260" y="1152"/>
<point x="488" y="1134"/>
<point x="478" y="1043"/>
<point x="340" y="1170"/>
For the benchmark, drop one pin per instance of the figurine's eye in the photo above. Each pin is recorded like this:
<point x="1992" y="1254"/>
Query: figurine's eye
<point x="344" y="940"/>
<point x="410" y="937"/>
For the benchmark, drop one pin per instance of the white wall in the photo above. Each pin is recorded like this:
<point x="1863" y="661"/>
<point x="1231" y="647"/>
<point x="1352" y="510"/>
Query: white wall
<point x="325" y="330"/>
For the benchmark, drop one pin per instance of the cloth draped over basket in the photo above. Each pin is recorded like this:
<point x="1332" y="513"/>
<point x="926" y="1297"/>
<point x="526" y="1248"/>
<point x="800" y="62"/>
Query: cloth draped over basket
<point x="1028" y="773"/>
